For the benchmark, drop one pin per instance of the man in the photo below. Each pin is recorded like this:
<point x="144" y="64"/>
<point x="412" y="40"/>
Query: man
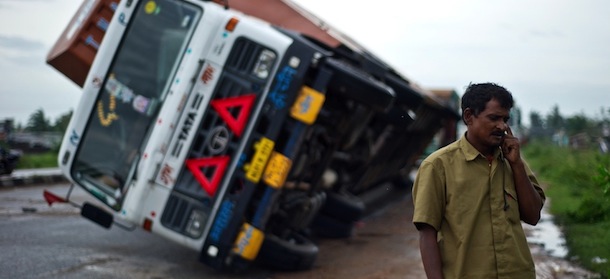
<point x="471" y="196"/>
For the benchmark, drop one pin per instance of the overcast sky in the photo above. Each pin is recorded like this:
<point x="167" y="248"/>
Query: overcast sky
<point x="545" y="52"/>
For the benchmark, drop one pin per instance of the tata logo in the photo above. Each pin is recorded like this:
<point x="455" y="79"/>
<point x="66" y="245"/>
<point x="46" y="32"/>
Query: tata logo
<point x="218" y="140"/>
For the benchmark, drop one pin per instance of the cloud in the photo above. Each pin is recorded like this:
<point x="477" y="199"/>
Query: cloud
<point x="20" y="43"/>
<point x="21" y="51"/>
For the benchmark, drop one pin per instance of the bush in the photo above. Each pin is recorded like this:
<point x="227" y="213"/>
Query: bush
<point x="41" y="160"/>
<point x="578" y="184"/>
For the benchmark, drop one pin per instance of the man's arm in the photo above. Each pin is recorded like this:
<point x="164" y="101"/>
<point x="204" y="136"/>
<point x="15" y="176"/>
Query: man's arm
<point x="530" y="202"/>
<point x="430" y="253"/>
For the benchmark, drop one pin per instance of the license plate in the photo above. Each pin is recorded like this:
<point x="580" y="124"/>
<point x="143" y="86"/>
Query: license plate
<point x="277" y="170"/>
<point x="248" y="242"/>
<point x="254" y="169"/>
<point x="307" y="106"/>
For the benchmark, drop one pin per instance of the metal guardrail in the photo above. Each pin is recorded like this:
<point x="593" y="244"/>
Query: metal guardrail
<point x="27" y="177"/>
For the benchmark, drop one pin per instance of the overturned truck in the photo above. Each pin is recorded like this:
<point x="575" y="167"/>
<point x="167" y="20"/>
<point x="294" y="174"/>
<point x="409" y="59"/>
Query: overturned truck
<point x="233" y="136"/>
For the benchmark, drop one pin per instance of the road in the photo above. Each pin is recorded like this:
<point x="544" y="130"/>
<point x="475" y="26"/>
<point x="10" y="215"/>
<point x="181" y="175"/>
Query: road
<point x="38" y="241"/>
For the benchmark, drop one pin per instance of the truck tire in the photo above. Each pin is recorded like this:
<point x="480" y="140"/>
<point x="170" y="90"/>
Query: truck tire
<point x="358" y="85"/>
<point x="295" y="252"/>
<point x="345" y="207"/>
<point x="329" y="227"/>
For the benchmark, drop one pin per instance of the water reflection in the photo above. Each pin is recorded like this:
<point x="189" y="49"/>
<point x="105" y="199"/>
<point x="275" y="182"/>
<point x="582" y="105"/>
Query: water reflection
<point x="547" y="234"/>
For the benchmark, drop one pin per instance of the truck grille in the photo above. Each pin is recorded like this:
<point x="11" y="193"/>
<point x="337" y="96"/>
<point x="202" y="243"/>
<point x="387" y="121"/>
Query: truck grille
<point x="175" y="213"/>
<point x="243" y="56"/>
<point x="214" y="138"/>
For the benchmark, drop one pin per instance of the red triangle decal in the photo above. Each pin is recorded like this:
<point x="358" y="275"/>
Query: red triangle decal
<point x="198" y="166"/>
<point x="236" y="124"/>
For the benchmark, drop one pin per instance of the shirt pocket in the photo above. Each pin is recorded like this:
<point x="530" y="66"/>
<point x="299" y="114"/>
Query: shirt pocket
<point x="511" y="206"/>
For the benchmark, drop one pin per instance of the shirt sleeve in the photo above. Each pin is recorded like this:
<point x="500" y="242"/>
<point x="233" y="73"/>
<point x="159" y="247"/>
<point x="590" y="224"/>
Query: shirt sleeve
<point x="429" y="195"/>
<point x="535" y="182"/>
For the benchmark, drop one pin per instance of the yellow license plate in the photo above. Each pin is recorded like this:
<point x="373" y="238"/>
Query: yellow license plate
<point x="307" y="106"/>
<point x="254" y="169"/>
<point x="277" y="170"/>
<point x="248" y="242"/>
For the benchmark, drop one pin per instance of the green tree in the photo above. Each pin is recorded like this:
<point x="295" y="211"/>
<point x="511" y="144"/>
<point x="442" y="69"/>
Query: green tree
<point x="38" y="122"/>
<point x="578" y="124"/>
<point x="61" y="123"/>
<point x="536" y="125"/>
<point x="554" y="120"/>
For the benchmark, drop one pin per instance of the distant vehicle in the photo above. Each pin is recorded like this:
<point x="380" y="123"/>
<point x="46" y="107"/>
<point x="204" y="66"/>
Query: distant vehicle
<point x="8" y="160"/>
<point x="237" y="138"/>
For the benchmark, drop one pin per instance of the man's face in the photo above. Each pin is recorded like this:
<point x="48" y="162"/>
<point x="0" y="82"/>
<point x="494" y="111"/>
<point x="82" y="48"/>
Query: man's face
<point x="486" y="131"/>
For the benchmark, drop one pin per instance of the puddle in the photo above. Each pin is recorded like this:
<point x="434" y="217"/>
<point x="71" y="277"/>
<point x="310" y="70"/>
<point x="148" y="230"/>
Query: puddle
<point x="547" y="235"/>
<point x="550" y="252"/>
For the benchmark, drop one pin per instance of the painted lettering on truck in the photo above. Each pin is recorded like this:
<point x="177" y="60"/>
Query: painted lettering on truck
<point x="223" y="218"/>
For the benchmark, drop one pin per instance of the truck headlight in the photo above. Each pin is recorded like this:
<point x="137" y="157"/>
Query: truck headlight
<point x="264" y="64"/>
<point x="194" y="227"/>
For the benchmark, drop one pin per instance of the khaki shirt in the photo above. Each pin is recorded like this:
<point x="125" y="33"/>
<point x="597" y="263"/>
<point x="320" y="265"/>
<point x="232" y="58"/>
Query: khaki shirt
<point x="459" y="193"/>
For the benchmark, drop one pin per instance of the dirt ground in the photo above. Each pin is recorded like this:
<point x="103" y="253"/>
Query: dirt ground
<point x="385" y="246"/>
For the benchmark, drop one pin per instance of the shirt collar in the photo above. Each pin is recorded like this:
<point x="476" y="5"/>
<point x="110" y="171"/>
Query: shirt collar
<point x="471" y="153"/>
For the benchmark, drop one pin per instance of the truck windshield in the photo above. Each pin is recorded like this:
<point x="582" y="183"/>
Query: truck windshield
<point x="131" y="95"/>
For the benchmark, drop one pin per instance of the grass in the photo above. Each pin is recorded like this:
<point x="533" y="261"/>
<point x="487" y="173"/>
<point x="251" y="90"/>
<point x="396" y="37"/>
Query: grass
<point x="579" y="203"/>
<point x="40" y="160"/>
<point x="588" y="242"/>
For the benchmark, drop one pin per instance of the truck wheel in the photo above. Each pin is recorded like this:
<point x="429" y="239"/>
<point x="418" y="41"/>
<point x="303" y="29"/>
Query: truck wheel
<point x="358" y="85"/>
<point x="294" y="253"/>
<point x="343" y="206"/>
<point x="329" y="227"/>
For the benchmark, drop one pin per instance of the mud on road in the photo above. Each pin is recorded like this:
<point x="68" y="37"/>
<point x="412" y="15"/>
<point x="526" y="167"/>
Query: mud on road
<point x="386" y="246"/>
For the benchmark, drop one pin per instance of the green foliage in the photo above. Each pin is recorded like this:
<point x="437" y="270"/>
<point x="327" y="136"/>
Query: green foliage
<point x="595" y="206"/>
<point x="33" y="161"/>
<point x="587" y="242"/>
<point x="603" y="176"/>
<point x="536" y="120"/>
<point x="578" y="124"/>
<point x="544" y="127"/>
<point x="61" y="123"/>
<point x="554" y="120"/>
<point x="580" y="173"/>
<point x="38" y="122"/>
<point x="578" y="186"/>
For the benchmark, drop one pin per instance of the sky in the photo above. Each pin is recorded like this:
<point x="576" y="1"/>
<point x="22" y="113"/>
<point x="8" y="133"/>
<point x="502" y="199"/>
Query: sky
<point x="547" y="53"/>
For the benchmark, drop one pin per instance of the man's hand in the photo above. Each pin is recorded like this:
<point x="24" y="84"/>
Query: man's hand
<point x="530" y="202"/>
<point x="511" y="147"/>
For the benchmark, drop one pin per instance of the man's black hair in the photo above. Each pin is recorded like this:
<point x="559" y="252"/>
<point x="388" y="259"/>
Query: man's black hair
<point x="478" y="94"/>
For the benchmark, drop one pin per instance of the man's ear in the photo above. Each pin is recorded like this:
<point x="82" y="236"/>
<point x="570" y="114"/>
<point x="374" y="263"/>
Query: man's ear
<point x="467" y="116"/>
